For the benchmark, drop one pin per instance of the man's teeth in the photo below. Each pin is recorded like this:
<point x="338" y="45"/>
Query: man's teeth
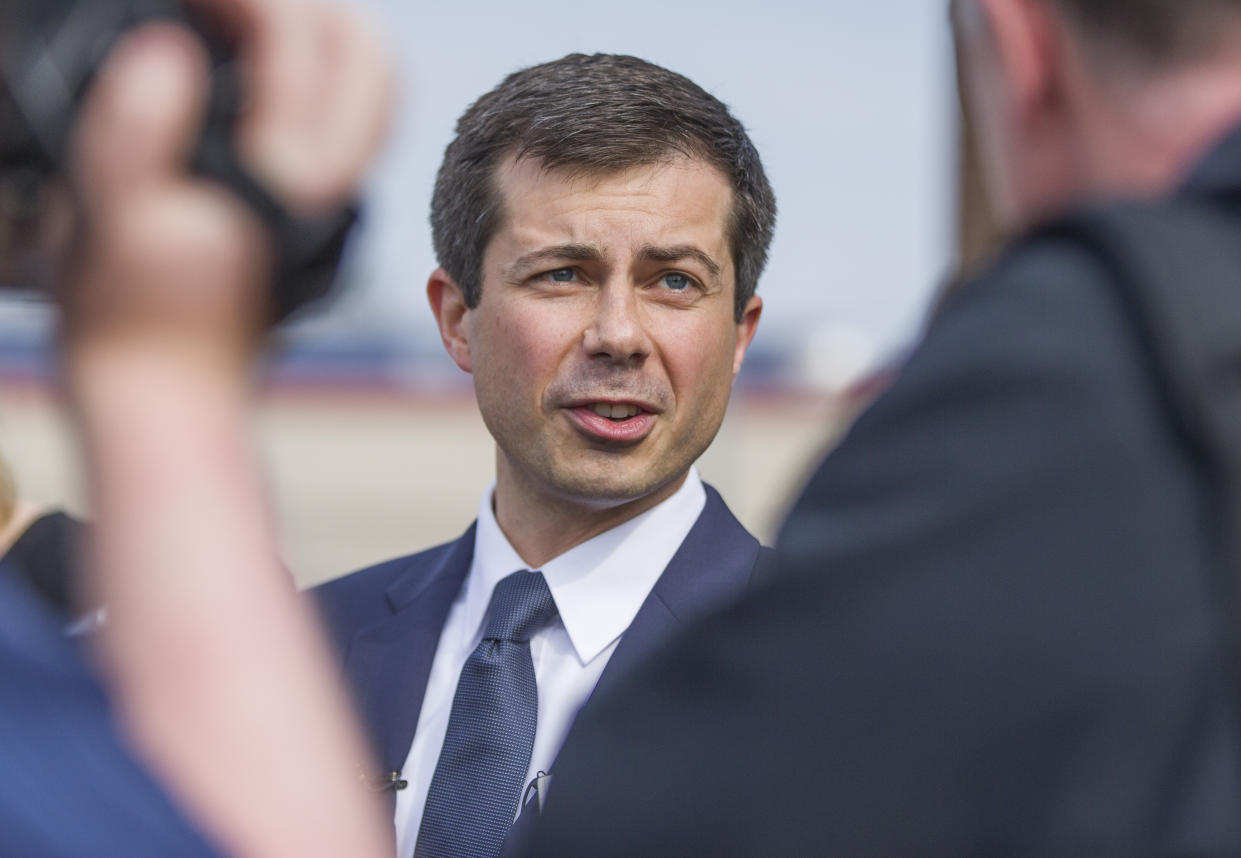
<point x="615" y="412"/>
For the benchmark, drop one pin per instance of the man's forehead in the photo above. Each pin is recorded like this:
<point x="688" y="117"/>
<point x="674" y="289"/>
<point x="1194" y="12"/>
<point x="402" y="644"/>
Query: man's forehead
<point x="677" y="193"/>
<point x="529" y="171"/>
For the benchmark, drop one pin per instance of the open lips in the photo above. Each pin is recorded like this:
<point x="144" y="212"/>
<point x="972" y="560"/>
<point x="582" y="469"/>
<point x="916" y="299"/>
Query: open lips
<point x="617" y="422"/>
<point x="616" y="412"/>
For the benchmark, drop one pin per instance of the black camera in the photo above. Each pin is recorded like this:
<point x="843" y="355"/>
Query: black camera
<point x="50" y="51"/>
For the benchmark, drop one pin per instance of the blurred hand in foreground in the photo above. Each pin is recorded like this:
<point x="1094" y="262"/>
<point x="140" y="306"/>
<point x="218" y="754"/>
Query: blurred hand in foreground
<point x="219" y="674"/>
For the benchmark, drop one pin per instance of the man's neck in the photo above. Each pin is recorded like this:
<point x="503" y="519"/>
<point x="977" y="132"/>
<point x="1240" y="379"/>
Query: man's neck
<point x="541" y="526"/>
<point x="1144" y="135"/>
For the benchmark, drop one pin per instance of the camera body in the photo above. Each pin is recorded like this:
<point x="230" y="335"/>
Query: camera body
<point x="50" y="52"/>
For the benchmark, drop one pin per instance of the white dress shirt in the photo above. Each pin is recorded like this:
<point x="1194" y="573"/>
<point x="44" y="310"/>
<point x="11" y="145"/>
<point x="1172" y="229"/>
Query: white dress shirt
<point x="598" y="587"/>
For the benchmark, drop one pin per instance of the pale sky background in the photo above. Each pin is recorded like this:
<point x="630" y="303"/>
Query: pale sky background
<point x="850" y="104"/>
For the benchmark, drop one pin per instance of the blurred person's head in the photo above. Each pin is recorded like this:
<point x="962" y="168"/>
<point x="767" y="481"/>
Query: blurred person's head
<point x="601" y="224"/>
<point x="1072" y="99"/>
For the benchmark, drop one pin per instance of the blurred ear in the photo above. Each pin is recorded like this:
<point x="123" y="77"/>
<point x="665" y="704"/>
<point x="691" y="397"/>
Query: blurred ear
<point x="746" y="329"/>
<point x="448" y="304"/>
<point x="1025" y="41"/>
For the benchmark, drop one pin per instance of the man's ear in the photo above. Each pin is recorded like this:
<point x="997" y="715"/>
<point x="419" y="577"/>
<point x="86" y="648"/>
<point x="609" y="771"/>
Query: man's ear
<point x="1026" y="42"/>
<point x="746" y="329"/>
<point x="451" y="312"/>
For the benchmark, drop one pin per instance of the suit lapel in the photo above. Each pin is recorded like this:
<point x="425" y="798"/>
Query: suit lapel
<point x="712" y="567"/>
<point x="388" y="663"/>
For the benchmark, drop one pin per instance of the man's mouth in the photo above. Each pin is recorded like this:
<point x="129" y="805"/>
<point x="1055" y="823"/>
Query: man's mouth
<point x="614" y="422"/>
<point x="616" y="412"/>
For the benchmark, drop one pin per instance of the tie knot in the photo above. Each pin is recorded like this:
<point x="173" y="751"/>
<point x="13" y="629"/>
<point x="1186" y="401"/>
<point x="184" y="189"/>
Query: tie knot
<point x="520" y="605"/>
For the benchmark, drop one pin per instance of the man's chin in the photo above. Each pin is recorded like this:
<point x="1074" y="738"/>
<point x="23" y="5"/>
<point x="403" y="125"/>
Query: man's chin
<point x="611" y="489"/>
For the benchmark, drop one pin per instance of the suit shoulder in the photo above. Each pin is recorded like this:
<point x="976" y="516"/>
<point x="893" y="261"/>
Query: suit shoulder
<point x="717" y="559"/>
<point x="716" y="513"/>
<point x="765" y="563"/>
<point x="353" y="599"/>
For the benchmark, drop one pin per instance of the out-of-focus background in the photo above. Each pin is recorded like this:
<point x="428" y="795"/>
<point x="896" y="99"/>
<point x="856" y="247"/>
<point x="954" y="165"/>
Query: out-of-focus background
<point x="373" y="441"/>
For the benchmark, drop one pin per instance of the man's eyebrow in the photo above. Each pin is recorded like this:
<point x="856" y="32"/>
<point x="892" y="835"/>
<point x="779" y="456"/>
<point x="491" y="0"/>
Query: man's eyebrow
<point x="677" y="252"/>
<point x="557" y="252"/>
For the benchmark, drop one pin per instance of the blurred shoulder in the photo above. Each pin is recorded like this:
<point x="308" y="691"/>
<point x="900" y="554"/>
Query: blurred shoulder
<point x="1048" y="299"/>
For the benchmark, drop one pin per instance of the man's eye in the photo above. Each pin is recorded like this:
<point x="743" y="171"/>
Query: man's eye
<point x="561" y="275"/>
<point x="677" y="282"/>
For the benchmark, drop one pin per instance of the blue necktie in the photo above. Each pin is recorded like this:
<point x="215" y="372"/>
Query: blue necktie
<point x="482" y="767"/>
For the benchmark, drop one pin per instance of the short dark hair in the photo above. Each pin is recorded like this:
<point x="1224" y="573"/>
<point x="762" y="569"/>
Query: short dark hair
<point x="1155" y="31"/>
<point x="595" y="113"/>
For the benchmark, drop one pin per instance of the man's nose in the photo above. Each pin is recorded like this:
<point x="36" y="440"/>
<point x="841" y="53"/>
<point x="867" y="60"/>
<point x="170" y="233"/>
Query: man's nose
<point x="617" y="331"/>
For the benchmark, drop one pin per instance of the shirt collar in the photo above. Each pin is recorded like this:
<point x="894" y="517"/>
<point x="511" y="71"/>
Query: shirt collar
<point x="599" y="585"/>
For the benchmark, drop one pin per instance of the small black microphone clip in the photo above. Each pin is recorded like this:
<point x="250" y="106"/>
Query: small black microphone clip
<point x="384" y="782"/>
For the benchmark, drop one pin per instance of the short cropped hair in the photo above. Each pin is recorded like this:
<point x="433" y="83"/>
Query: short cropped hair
<point x="594" y="114"/>
<point x="1154" y="31"/>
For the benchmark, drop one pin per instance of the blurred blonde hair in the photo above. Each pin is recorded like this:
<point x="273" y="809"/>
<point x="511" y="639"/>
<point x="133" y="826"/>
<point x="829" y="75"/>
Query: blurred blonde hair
<point x="8" y="493"/>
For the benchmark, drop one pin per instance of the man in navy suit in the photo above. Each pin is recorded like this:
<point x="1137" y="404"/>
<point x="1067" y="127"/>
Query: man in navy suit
<point x="601" y="224"/>
<point x="999" y="623"/>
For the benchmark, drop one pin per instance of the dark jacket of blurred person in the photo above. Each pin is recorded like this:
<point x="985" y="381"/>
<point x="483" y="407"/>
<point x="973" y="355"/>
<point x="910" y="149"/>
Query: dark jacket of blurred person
<point x="44" y="553"/>
<point x="71" y="785"/>
<point x="38" y="545"/>
<point x="993" y="627"/>
<point x="55" y="715"/>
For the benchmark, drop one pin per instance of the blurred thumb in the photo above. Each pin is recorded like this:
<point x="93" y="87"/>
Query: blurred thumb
<point x="142" y="116"/>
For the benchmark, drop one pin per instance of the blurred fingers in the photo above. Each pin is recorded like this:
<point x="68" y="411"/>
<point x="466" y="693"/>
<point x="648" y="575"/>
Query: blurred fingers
<point x="142" y="115"/>
<point x="320" y="89"/>
<point x="357" y="98"/>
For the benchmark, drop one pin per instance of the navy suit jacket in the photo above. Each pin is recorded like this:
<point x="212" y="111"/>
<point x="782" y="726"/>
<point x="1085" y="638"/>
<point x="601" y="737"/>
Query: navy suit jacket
<point x="386" y="620"/>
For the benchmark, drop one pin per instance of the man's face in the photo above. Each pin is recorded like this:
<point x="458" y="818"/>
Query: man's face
<point x="605" y="344"/>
